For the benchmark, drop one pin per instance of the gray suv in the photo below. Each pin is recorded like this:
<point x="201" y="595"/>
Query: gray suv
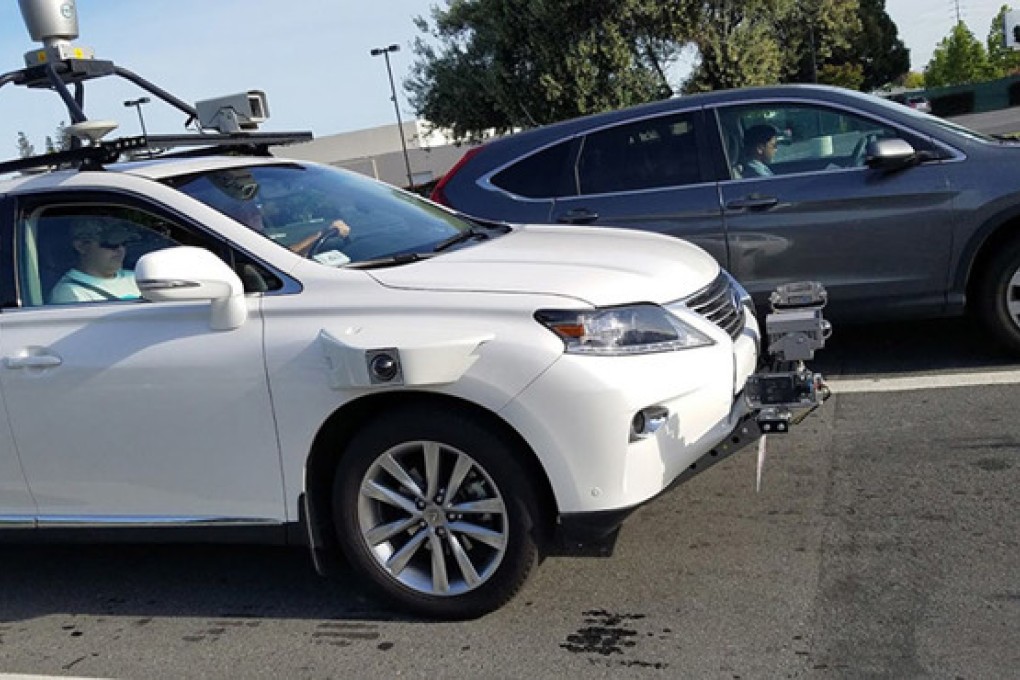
<point x="898" y="213"/>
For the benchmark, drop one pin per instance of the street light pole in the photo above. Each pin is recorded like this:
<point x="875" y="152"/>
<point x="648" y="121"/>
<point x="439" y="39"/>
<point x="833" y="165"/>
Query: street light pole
<point x="137" y="103"/>
<point x="385" y="52"/>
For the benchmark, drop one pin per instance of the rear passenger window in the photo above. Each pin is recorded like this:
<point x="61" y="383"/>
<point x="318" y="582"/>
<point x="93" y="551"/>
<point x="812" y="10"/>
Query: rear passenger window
<point x="652" y="153"/>
<point x="546" y="174"/>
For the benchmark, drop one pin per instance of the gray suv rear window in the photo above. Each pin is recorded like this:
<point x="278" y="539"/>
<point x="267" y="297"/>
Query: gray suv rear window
<point x="546" y="174"/>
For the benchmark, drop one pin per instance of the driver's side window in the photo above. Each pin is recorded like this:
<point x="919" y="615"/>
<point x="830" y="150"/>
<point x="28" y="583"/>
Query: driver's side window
<point x="783" y="139"/>
<point x="84" y="252"/>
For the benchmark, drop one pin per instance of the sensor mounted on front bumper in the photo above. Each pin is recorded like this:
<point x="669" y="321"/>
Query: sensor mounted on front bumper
<point x="794" y="330"/>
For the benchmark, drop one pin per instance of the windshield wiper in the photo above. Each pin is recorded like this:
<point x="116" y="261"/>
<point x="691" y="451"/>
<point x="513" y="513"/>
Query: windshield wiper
<point x="477" y="231"/>
<point x="390" y="261"/>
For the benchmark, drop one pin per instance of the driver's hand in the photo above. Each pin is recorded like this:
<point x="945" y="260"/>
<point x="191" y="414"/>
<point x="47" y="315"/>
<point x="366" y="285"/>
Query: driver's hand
<point x="341" y="227"/>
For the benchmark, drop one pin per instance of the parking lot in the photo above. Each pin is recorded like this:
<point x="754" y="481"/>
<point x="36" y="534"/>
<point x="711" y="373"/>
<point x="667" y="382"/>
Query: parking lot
<point x="883" y="544"/>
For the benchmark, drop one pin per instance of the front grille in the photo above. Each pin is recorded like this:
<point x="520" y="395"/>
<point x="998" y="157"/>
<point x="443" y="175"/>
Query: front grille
<point x="719" y="302"/>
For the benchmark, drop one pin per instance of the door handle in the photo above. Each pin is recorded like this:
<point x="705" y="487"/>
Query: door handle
<point x="753" y="202"/>
<point x="578" y="216"/>
<point x="33" y="361"/>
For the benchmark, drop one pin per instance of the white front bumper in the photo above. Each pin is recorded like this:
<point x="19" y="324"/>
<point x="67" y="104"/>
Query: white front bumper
<point x="577" y="416"/>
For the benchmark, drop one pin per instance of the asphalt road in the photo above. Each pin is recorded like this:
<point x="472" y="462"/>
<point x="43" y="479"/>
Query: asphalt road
<point x="884" y="544"/>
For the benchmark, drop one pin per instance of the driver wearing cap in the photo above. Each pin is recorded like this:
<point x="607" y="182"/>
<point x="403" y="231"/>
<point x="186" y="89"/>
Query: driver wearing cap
<point x="100" y="273"/>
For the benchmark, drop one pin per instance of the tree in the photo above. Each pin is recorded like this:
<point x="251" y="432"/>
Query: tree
<point x="960" y="58"/>
<point x="877" y="49"/>
<point x="1003" y="60"/>
<point x="25" y="147"/>
<point x="912" y="80"/>
<point x="63" y="137"/>
<point x="760" y="42"/>
<point x="850" y="76"/>
<point x="506" y="64"/>
<point x="738" y="46"/>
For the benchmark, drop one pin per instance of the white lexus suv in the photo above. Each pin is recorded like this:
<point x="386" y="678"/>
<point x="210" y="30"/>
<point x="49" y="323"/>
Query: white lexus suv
<point x="441" y="400"/>
<point x="268" y="350"/>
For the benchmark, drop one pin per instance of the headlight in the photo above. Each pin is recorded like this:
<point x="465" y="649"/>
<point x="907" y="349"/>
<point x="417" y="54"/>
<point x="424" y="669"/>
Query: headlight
<point x="634" y="329"/>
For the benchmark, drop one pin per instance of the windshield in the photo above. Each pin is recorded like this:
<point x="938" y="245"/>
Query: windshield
<point x="946" y="125"/>
<point x="332" y="216"/>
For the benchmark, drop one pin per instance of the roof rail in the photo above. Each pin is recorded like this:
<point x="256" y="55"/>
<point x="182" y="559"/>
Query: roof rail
<point x="96" y="156"/>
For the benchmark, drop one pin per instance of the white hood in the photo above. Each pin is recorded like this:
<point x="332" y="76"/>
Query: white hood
<point x="601" y="266"/>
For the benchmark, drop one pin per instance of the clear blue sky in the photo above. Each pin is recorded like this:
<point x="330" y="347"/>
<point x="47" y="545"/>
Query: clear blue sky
<point x="310" y="56"/>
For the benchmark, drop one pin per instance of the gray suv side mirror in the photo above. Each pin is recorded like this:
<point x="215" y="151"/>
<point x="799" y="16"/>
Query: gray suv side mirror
<point x="890" y="154"/>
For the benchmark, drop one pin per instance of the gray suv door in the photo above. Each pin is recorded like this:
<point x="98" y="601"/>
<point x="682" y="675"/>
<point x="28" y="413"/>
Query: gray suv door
<point x="648" y="174"/>
<point x="894" y="227"/>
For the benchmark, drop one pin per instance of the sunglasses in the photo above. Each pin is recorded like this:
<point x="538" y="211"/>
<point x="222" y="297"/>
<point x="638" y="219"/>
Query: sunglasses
<point x="111" y="245"/>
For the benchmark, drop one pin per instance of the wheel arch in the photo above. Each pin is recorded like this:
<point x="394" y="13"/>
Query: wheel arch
<point x="332" y="438"/>
<point x="985" y="243"/>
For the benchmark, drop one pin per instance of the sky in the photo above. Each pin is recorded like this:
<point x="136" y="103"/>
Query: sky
<point x="922" y="24"/>
<point x="311" y="57"/>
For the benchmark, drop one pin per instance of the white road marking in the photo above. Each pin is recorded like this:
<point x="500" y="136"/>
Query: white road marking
<point x="925" y="382"/>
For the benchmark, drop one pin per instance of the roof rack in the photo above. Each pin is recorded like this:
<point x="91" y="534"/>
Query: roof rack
<point x="96" y="156"/>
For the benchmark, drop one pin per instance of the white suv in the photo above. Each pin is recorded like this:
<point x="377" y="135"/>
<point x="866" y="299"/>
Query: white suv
<point x="440" y="400"/>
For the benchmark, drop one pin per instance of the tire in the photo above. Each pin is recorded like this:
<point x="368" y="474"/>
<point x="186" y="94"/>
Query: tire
<point x="999" y="296"/>
<point x="393" y="513"/>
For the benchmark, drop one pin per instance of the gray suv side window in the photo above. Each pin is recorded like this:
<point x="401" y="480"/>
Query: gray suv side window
<point x="804" y="138"/>
<point x="647" y="154"/>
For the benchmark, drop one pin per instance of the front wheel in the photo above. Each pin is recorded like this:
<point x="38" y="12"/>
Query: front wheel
<point x="999" y="296"/>
<point x="434" y="510"/>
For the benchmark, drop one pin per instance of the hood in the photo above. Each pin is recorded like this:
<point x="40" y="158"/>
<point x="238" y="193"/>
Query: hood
<point x="600" y="266"/>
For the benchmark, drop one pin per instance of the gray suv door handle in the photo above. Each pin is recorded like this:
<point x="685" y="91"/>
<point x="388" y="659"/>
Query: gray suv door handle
<point x="578" y="216"/>
<point x="33" y="361"/>
<point x="753" y="202"/>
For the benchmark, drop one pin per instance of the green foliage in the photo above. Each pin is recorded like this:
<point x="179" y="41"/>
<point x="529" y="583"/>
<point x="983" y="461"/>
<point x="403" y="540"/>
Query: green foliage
<point x="506" y="64"/>
<point x="960" y="58"/>
<point x="877" y="49"/>
<point x="761" y="42"/>
<point x="738" y="44"/>
<point x="913" y="81"/>
<point x="850" y="76"/>
<point x="25" y="147"/>
<point x="1003" y="60"/>
<point x="500" y="65"/>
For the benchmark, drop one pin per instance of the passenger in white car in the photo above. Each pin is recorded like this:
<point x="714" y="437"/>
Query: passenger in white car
<point x="99" y="274"/>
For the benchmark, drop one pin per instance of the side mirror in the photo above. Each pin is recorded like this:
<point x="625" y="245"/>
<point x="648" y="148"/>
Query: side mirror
<point x="890" y="154"/>
<point x="185" y="273"/>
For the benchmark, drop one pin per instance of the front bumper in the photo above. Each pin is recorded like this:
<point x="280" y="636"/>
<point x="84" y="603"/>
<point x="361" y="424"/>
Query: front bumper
<point x="594" y="533"/>
<point x="577" y="419"/>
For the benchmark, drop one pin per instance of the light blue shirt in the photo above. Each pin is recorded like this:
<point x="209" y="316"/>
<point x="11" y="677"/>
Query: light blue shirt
<point x="77" y="286"/>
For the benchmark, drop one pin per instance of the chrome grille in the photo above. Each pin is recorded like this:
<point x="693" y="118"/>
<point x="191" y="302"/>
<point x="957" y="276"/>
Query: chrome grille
<point x="719" y="302"/>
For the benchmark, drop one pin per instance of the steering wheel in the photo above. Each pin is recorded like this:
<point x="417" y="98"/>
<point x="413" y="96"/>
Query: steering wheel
<point x="329" y="233"/>
<point x="859" y="155"/>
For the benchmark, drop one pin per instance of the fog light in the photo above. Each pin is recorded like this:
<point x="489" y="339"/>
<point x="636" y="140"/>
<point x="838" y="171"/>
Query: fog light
<point x="647" y="421"/>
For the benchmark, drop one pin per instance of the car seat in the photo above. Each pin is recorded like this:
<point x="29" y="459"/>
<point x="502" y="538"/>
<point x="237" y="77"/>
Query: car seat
<point x="734" y="138"/>
<point x="56" y="254"/>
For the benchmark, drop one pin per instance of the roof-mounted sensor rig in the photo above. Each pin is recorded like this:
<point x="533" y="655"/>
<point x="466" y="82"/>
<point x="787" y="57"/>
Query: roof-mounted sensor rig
<point x="223" y="123"/>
